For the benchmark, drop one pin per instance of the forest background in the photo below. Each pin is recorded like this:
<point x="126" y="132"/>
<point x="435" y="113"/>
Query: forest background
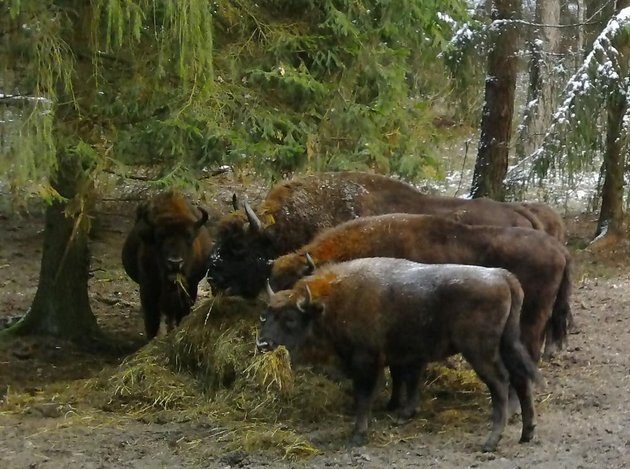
<point x="170" y="93"/>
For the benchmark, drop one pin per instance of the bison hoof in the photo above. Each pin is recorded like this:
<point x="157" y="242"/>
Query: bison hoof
<point x="392" y="405"/>
<point x="358" y="439"/>
<point x="489" y="447"/>
<point x="527" y="435"/>
<point x="406" y="413"/>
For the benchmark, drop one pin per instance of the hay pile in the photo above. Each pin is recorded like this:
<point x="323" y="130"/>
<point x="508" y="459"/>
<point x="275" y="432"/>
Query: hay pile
<point x="209" y="370"/>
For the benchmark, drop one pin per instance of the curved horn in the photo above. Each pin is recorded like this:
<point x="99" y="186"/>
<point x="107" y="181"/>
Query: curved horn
<point x="270" y="291"/>
<point x="204" y="218"/>
<point x="310" y="263"/>
<point x="235" y="203"/>
<point x="304" y="302"/>
<point x="254" y="221"/>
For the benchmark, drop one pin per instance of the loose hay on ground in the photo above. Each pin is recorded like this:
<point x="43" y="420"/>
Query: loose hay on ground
<point x="209" y="369"/>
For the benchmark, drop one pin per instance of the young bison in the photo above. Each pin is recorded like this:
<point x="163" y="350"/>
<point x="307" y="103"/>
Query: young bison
<point x="540" y="262"/>
<point x="378" y="312"/>
<point x="166" y="253"/>
<point x="295" y="211"/>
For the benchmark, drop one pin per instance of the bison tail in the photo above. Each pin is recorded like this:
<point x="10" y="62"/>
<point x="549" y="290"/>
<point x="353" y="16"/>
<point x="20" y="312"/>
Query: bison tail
<point x="515" y="357"/>
<point x="561" y="317"/>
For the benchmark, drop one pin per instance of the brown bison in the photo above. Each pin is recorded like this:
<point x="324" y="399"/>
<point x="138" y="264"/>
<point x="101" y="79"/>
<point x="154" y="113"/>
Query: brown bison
<point x="378" y="312"/>
<point x="539" y="261"/>
<point x="166" y="253"/>
<point x="552" y="222"/>
<point x="295" y="211"/>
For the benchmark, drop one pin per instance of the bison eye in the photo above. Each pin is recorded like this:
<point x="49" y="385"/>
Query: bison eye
<point x="291" y="323"/>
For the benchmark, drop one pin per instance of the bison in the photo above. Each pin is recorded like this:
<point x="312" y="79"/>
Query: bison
<point x="166" y="253"/>
<point x="295" y="211"/>
<point x="539" y="261"/>
<point x="551" y="220"/>
<point x="378" y="312"/>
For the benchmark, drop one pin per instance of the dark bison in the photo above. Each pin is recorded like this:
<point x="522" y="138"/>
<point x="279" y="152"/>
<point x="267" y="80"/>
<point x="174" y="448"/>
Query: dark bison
<point x="166" y="253"/>
<point x="378" y="311"/>
<point x="540" y="262"/>
<point x="295" y="211"/>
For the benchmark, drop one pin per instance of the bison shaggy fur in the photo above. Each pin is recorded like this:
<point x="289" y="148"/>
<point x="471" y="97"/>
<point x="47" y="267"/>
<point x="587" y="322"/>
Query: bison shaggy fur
<point x="540" y="262"/>
<point x="378" y="312"/>
<point x="166" y="253"/>
<point x="295" y="211"/>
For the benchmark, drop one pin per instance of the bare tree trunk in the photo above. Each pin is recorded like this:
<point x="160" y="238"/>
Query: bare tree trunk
<point x="61" y="307"/>
<point x="611" y="217"/>
<point x="541" y="96"/>
<point x="498" y="109"/>
<point x="579" y="43"/>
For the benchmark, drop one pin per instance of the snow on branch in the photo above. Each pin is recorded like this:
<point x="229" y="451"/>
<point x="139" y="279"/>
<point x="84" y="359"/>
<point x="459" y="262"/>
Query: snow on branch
<point x="603" y="70"/>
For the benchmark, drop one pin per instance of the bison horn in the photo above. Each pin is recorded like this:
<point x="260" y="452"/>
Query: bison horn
<point x="254" y="221"/>
<point x="304" y="302"/>
<point x="270" y="291"/>
<point x="235" y="203"/>
<point x="310" y="263"/>
<point x="204" y="218"/>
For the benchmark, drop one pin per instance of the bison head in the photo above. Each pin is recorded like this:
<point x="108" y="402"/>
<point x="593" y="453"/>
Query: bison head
<point x="240" y="260"/>
<point x="287" y="320"/>
<point x="287" y="270"/>
<point x="172" y="239"/>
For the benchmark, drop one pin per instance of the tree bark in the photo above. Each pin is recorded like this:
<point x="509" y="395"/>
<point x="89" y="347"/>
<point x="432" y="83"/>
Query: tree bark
<point x="496" y="119"/>
<point x="541" y="95"/>
<point x="611" y="216"/>
<point x="61" y="307"/>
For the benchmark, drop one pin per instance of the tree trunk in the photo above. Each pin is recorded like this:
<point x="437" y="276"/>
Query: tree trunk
<point x="611" y="217"/>
<point x="579" y="42"/>
<point x="541" y="96"/>
<point x="496" y="119"/>
<point x="61" y="307"/>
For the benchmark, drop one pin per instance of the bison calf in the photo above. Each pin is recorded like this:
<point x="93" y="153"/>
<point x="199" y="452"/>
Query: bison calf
<point x="166" y="253"/>
<point x="381" y="311"/>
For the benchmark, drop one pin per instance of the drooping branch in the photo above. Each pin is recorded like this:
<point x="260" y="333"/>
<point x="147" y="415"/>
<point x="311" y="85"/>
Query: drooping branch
<point x="604" y="69"/>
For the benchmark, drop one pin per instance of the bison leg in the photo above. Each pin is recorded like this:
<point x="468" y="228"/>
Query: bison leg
<point x="412" y="377"/>
<point x="493" y="373"/>
<point x="523" y="388"/>
<point x="397" y="397"/>
<point x="367" y="369"/>
<point x="533" y="328"/>
<point x="149" y="298"/>
<point x="514" y="404"/>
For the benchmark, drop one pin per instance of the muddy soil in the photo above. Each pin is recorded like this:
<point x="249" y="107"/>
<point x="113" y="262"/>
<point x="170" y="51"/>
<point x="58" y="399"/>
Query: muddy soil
<point x="583" y="411"/>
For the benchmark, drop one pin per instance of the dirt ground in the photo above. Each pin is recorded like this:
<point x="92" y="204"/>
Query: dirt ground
<point x="583" y="411"/>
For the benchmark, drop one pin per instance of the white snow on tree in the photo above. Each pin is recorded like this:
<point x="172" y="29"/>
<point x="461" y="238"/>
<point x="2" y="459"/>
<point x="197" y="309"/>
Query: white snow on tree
<point x="575" y="136"/>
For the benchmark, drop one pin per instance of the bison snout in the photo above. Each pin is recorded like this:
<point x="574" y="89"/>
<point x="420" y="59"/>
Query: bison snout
<point x="175" y="264"/>
<point x="264" y="345"/>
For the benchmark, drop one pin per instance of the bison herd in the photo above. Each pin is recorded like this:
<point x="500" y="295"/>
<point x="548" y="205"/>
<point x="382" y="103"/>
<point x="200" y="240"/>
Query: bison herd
<point x="383" y="275"/>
